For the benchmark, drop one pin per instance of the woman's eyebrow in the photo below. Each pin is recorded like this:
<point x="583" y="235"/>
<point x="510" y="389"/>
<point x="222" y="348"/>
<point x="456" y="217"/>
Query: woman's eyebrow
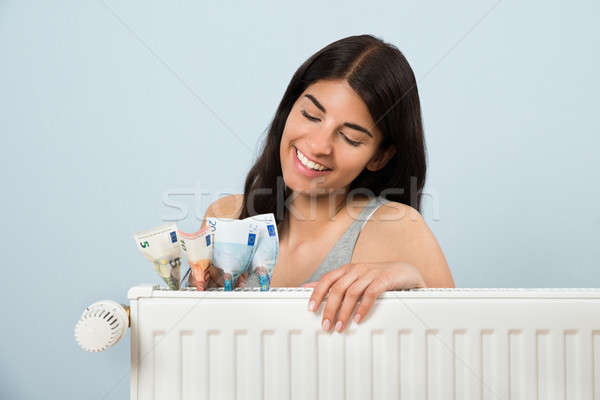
<point x="319" y="105"/>
<point x="348" y="124"/>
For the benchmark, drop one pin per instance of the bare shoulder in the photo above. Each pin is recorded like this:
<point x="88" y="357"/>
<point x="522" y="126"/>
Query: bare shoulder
<point x="394" y="220"/>
<point x="398" y="212"/>
<point x="226" y="207"/>
<point x="398" y="232"/>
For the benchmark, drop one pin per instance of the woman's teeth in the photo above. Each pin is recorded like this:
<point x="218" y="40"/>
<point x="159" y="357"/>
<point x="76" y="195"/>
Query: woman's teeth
<point x="309" y="164"/>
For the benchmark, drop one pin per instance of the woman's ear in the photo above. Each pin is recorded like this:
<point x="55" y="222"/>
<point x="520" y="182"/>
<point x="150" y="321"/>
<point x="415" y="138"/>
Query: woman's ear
<point x="381" y="158"/>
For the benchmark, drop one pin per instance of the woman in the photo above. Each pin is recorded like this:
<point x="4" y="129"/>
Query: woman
<point x="342" y="169"/>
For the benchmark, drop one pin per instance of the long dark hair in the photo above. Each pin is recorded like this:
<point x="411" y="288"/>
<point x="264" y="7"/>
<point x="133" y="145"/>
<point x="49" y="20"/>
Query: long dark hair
<point x="380" y="74"/>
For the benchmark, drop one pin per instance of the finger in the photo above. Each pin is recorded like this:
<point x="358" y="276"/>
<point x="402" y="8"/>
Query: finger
<point x="336" y="295"/>
<point x="214" y="277"/>
<point x="241" y="281"/>
<point x="322" y="287"/>
<point x="216" y="274"/>
<point x="199" y="279"/>
<point x="191" y="278"/>
<point x="204" y="281"/>
<point x="199" y="284"/>
<point x="376" y="288"/>
<point x="311" y="284"/>
<point x="353" y="294"/>
<point x="211" y="284"/>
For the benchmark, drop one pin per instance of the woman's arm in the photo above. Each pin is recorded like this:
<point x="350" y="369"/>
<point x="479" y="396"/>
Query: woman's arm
<point x="397" y="232"/>
<point x="395" y="250"/>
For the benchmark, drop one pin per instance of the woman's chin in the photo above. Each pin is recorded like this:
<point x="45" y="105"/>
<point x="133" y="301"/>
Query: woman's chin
<point x="313" y="188"/>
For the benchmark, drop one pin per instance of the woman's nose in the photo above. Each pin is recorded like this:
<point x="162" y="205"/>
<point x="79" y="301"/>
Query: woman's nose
<point x="321" y="142"/>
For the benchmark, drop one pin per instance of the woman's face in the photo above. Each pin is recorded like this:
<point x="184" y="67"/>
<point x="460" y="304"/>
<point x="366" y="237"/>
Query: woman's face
<point x="328" y="139"/>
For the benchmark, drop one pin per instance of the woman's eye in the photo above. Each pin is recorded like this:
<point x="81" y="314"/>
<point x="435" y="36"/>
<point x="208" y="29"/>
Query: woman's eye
<point x="352" y="142"/>
<point x="309" y="117"/>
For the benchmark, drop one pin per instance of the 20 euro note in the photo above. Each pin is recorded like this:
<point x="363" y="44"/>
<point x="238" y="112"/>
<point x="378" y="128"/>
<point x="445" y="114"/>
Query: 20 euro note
<point x="233" y="247"/>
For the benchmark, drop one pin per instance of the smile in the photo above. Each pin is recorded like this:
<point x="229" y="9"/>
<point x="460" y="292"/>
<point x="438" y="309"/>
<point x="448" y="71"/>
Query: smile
<point x="309" y="164"/>
<point x="308" y="168"/>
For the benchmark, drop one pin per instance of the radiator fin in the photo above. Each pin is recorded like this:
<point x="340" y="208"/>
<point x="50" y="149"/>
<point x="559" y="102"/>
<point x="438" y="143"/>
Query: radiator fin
<point x="299" y="366"/>
<point x="189" y="362"/>
<point x="405" y="369"/>
<point x="331" y="367"/>
<point x="379" y="364"/>
<point x="241" y="350"/>
<point x="591" y="348"/>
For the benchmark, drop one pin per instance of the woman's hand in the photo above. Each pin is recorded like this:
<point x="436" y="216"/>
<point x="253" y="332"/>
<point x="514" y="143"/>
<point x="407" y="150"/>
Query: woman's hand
<point x="213" y="278"/>
<point x="351" y="282"/>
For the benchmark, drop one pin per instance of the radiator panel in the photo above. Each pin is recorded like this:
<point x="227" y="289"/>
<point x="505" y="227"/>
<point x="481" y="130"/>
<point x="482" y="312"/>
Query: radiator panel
<point x="445" y="344"/>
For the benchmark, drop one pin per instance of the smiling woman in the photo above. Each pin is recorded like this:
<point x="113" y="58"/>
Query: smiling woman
<point x="342" y="168"/>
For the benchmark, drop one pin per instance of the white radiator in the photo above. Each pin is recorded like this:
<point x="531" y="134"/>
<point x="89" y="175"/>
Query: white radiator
<point x="423" y="344"/>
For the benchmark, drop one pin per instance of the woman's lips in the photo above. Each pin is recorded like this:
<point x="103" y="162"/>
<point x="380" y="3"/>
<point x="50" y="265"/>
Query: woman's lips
<point x="305" y="170"/>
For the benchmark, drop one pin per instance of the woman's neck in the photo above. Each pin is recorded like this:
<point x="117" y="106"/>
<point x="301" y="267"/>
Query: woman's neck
<point x="307" y="216"/>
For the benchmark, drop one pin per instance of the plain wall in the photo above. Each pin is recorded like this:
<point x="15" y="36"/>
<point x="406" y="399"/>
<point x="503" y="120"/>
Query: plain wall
<point x="107" y="107"/>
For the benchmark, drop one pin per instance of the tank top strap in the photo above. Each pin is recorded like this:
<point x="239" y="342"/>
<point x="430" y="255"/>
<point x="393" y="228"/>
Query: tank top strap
<point x="351" y="234"/>
<point x="341" y="253"/>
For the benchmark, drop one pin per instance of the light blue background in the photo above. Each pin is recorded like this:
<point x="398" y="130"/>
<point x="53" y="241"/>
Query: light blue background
<point x="106" y="107"/>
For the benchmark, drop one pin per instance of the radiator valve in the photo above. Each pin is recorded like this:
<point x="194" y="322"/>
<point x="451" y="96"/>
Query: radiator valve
<point x="101" y="325"/>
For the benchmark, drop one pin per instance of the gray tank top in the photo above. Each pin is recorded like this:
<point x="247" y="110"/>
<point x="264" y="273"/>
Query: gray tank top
<point x="341" y="253"/>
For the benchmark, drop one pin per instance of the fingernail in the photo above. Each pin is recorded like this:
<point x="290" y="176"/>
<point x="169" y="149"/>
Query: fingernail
<point x="326" y="325"/>
<point x="311" y="306"/>
<point x="338" y="326"/>
<point x="356" y="318"/>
